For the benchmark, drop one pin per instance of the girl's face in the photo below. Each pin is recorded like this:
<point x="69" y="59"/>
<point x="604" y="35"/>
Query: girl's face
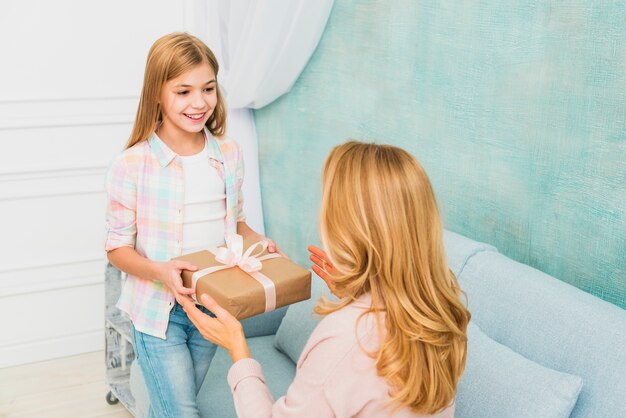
<point x="188" y="101"/>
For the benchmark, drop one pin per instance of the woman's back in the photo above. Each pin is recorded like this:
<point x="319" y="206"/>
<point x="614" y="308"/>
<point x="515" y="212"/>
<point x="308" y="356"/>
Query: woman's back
<point x="335" y="367"/>
<point x="335" y="377"/>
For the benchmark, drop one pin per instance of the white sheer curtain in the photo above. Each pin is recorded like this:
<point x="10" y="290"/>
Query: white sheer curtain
<point x="262" y="47"/>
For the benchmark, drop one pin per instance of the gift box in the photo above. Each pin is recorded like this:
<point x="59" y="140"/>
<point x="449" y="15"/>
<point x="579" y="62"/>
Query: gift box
<point x="245" y="279"/>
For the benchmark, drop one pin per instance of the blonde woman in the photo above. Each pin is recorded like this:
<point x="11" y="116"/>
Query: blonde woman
<point x="395" y="342"/>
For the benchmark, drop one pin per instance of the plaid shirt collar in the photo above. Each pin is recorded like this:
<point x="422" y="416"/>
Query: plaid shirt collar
<point x="165" y="155"/>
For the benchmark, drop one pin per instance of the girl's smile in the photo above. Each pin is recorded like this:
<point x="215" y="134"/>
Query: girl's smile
<point x="196" y="117"/>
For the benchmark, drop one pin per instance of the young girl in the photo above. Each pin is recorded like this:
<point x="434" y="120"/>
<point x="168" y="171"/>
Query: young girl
<point x="175" y="189"/>
<point x="395" y="342"/>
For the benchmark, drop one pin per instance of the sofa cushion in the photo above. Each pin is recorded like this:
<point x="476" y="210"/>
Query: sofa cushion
<point x="300" y="321"/>
<point x="264" y="324"/>
<point x="499" y="382"/>
<point x="554" y="324"/>
<point x="459" y="249"/>
<point x="215" y="398"/>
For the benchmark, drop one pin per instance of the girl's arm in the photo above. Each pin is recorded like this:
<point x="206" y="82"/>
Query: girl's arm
<point x="121" y="223"/>
<point x="130" y="261"/>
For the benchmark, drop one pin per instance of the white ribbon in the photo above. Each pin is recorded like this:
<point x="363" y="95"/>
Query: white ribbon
<point x="232" y="255"/>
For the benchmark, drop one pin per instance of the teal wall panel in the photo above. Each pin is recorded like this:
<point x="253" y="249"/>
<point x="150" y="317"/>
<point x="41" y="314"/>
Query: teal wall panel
<point x="517" y="110"/>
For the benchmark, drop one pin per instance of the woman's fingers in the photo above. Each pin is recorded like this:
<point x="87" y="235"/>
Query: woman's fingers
<point x="319" y="257"/>
<point x="317" y="261"/>
<point x="324" y="276"/>
<point x="214" y="307"/>
<point x="317" y="251"/>
<point x="224" y="330"/>
<point x="322" y="266"/>
<point x="210" y="328"/>
<point x="190" y="307"/>
<point x="321" y="273"/>
<point x="183" y="300"/>
<point x="192" y="311"/>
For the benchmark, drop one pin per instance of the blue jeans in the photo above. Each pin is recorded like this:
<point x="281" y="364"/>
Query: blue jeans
<point x="174" y="368"/>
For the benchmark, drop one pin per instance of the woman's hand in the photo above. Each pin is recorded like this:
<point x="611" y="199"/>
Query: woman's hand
<point x="322" y="267"/>
<point x="224" y="330"/>
<point x="168" y="273"/>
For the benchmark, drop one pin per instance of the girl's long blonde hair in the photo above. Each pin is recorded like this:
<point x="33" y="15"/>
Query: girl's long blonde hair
<point x="169" y="57"/>
<point x="381" y="228"/>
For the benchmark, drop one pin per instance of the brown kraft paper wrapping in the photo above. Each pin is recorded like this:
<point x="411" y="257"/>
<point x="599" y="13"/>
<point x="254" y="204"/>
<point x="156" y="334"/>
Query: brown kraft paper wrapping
<point x="242" y="295"/>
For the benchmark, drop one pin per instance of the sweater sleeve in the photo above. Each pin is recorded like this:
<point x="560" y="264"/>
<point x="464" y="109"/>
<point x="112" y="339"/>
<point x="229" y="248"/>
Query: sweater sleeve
<point x="306" y="395"/>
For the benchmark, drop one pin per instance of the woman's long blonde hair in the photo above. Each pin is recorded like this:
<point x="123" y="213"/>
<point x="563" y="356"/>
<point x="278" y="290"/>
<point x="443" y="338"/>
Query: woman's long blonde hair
<point x="381" y="228"/>
<point x="169" y="57"/>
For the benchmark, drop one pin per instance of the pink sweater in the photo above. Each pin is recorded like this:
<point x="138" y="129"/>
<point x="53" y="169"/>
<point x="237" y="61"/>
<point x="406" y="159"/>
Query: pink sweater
<point x="334" y="376"/>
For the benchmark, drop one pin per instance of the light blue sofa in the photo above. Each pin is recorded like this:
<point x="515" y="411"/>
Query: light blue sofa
<point x="538" y="347"/>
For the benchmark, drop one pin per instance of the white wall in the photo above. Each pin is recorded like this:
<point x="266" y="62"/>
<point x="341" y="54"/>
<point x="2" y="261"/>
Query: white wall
<point x="70" y="76"/>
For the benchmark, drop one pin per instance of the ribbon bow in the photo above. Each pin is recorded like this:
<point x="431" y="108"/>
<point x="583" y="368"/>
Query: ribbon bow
<point x="232" y="255"/>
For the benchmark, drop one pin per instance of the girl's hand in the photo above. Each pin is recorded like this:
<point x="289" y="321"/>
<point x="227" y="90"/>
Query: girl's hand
<point x="271" y="247"/>
<point x="168" y="273"/>
<point x="248" y="233"/>
<point x="224" y="330"/>
<point x="323" y="267"/>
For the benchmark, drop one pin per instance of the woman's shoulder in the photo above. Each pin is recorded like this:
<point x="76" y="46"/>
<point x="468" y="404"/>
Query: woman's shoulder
<point x="340" y="358"/>
<point x="342" y="331"/>
<point x="357" y="315"/>
<point x="331" y="344"/>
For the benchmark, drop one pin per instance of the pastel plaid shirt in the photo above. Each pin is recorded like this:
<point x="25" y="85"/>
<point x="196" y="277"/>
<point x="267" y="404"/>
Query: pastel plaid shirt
<point x="145" y="191"/>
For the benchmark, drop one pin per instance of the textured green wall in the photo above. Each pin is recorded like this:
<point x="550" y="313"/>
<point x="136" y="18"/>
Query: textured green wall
<point x="516" y="109"/>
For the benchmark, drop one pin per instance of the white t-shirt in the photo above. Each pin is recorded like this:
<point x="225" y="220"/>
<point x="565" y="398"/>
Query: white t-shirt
<point x="205" y="203"/>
